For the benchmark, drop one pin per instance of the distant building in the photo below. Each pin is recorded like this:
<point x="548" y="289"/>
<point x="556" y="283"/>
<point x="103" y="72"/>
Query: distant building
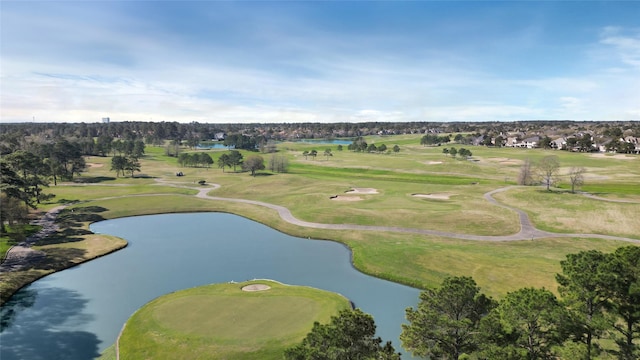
<point x="219" y="136"/>
<point x="105" y="120"/>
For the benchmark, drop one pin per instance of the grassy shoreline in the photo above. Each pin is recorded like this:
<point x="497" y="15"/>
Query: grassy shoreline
<point x="415" y="260"/>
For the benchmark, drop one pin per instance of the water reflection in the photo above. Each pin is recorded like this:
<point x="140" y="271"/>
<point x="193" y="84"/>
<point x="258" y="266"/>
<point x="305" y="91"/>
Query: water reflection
<point x="48" y="317"/>
<point x="82" y="309"/>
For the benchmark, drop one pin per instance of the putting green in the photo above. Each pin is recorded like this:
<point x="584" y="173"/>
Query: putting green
<point x="223" y="321"/>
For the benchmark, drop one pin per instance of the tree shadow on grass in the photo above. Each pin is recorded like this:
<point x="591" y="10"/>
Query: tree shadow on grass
<point x="33" y="326"/>
<point x="72" y="222"/>
<point x="76" y="216"/>
<point x="59" y="258"/>
<point x="93" y="179"/>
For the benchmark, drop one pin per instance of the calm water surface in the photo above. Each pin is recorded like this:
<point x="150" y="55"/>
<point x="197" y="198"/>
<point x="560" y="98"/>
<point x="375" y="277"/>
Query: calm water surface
<point x="77" y="313"/>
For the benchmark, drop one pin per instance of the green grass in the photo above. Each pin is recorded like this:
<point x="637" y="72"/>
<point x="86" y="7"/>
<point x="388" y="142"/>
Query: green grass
<point x="307" y="189"/>
<point x="14" y="235"/>
<point x="574" y="213"/>
<point x="222" y="321"/>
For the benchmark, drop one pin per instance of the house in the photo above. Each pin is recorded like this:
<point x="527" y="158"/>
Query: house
<point x="635" y="141"/>
<point x="559" y="143"/>
<point x="219" y="136"/>
<point x="531" y="142"/>
<point x="511" y="142"/>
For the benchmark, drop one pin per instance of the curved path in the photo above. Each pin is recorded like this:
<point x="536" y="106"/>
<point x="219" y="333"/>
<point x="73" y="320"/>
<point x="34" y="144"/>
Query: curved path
<point x="20" y="255"/>
<point x="527" y="230"/>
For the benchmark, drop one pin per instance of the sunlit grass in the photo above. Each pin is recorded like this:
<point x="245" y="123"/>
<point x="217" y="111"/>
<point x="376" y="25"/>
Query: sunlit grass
<point x="223" y="321"/>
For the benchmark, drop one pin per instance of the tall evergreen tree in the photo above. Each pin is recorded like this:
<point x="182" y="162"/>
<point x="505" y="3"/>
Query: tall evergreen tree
<point x="445" y="323"/>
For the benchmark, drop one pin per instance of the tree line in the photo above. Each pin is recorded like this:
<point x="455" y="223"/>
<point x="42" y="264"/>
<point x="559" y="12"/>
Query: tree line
<point x="598" y="314"/>
<point x="27" y="169"/>
<point x="360" y="145"/>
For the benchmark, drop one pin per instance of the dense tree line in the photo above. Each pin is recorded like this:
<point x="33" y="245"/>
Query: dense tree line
<point x="600" y="305"/>
<point x="360" y="145"/>
<point x="257" y="135"/>
<point x="195" y="159"/>
<point x="597" y="314"/>
<point x="27" y="167"/>
<point x="433" y="139"/>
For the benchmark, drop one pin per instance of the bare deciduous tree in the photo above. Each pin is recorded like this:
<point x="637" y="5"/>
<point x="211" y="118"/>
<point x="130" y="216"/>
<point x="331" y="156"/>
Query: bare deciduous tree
<point x="576" y="176"/>
<point x="526" y="173"/>
<point x="548" y="170"/>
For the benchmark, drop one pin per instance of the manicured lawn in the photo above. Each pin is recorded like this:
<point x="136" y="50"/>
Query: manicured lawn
<point x="224" y="322"/>
<point x="418" y="260"/>
<point x="574" y="213"/>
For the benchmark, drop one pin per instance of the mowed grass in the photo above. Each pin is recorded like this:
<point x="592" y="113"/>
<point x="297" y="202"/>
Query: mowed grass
<point x="221" y="321"/>
<point x="497" y="267"/>
<point x="417" y="260"/>
<point x="574" y="213"/>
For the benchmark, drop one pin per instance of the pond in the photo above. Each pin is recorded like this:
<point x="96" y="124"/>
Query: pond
<point x="77" y="313"/>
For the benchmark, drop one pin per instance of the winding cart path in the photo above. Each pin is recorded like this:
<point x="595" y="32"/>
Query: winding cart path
<point x="19" y="256"/>
<point x="527" y="230"/>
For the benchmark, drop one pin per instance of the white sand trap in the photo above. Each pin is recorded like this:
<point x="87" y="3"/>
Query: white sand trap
<point x="433" y="162"/>
<point x="617" y="156"/>
<point x="442" y="196"/>
<point x="256" y="287"/>
<point x="346" y="198"/>
<point x="94" y="165"/>
<point x="362" y="191"/>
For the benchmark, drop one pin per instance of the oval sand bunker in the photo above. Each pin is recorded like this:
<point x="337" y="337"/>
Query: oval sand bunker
<point x="256" y="287"/>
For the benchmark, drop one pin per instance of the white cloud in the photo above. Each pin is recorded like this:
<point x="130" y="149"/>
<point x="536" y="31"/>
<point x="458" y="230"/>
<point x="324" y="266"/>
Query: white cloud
<point x="132" y="68"/>
<point x="625" y="45"/>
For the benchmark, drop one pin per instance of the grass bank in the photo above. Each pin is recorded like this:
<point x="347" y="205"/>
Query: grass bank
<point x="421" y="261"/>
<point x="225" y="322"/>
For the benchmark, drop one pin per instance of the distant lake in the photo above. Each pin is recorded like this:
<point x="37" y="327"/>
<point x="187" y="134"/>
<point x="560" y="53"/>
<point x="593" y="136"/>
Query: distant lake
<point x="326" y="141"/>
<point x="214" y="146"/>
<point x="77" y="313"/>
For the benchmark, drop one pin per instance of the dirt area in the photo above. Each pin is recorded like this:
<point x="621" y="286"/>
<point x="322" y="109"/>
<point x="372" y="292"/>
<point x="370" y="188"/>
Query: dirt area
<point x="345" y="198"/>
<point x="362" y="191"/>
<point x="442" y="196"/>
<point x="256" y="287"/>
<point x="616" y="156"/>
<point x="505" y="161"/>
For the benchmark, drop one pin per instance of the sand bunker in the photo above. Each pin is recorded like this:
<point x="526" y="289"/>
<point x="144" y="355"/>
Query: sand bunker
<point x="617" y="156"/>
<point x="345" y="198"/>
<point x="505" y="161"/>
<point x="442" y="196"/>
<point x="256" y="287"/>
<point x="433" y="162"/>
<point x="94" y="165"/>
<point x="362" y="191"/>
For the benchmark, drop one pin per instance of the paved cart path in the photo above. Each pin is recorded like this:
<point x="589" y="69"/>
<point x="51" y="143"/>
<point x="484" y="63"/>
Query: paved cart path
<point x="527" y="230"/>
<point x="22" y="255"/>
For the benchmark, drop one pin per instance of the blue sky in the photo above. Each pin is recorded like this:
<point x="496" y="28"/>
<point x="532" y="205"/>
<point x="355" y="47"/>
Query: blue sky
<point x="319" y="61"/>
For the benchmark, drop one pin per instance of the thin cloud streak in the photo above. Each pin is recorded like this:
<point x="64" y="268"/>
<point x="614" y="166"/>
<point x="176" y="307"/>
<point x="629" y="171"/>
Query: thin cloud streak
<point x="105" y="60"/>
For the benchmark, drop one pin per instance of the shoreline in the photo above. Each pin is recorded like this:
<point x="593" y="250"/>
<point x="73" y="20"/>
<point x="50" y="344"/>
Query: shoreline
<point x="527" y="232"/>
